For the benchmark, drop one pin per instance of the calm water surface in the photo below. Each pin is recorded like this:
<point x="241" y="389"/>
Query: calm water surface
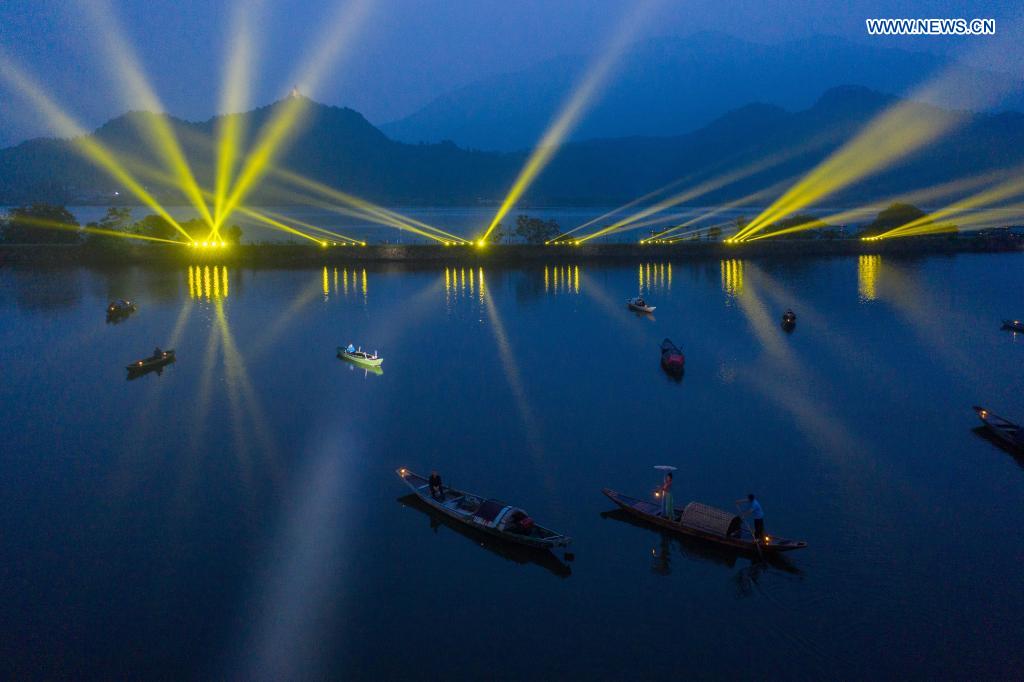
<point x="238" y="515"/>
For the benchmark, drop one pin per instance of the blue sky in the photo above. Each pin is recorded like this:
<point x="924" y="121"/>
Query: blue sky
<point x="407" y="51"/>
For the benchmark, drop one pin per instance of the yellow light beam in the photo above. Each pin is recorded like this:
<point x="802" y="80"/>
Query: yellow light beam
<point x="569" y="115"/>
<point x="890" y="136"/>
<point x="639" y="200"/>
<point x="1000" y="192"/>
<point x="52" y="225"/>
<point x="299" y="223"/>
<point x="700" y="189"/>
<point x="277" y="131"/>
<point x="376" y="218"/>
<point x="278" y="224"/>
<point x="369" y="209"/>
<point x="917" y="196"/>
<point x="266" y="217"/>
<point x="230" y="127"/>
<point x="153" y="120"/>
<point x="726" y="227"/>
<point x="87" y="145"/>
<point x="742" y="201"/>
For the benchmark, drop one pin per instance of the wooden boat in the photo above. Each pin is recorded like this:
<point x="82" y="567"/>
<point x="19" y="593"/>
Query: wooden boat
<point x="119" y="309"/>
<point x="1014" y="325"/>
<point x="672" y="359"/>
<point x="360" y="357"/>
<point x="788" y="319"/>
<point x="640" y="305"/>
<point x="1003" y="429"/>
<point x="152" y="362"/>
<point x="486" y="515"/>
<point x="704" y="522"/>
<point x="519" y="554"/>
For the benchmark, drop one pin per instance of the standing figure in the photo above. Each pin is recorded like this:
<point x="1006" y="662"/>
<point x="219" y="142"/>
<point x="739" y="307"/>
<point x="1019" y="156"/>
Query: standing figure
<point x="667" y="507"/>
<point x="754" y="511"/>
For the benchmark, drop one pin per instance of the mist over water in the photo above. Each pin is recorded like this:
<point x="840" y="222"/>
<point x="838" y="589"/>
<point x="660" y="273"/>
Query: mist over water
<point x="238" y="514"/>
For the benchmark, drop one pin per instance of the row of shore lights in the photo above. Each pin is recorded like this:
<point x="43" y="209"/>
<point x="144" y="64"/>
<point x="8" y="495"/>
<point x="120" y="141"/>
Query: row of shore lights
<point x="221" y="245"/>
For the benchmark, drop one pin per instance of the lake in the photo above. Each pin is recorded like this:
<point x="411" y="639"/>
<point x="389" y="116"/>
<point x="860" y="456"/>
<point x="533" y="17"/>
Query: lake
<point x="238" y="514"/>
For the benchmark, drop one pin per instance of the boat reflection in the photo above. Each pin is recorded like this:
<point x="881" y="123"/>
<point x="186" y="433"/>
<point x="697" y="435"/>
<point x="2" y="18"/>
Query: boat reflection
<point x="515" y="553"/>
<point x="367" y="371"/>
<point x="693" y="548"/>
<point x="984" y="433"/>
<point x="138" y="373"/>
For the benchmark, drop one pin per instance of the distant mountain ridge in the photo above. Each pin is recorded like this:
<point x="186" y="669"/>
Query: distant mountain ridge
<point x="339" y="147"/>
<point x="670" y="86"/>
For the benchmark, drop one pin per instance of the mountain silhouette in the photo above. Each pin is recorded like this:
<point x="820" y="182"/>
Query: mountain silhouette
<point x="338" y="147"/>
<point x="669" y="86"/>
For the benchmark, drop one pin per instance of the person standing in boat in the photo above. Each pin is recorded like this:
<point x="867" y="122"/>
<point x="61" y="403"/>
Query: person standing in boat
<point x="754" y="510"/>
<point x="665" y="492"/>
<point x="436" y="491"/>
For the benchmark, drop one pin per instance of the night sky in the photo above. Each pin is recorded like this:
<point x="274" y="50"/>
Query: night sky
<point x="406" y="52"/>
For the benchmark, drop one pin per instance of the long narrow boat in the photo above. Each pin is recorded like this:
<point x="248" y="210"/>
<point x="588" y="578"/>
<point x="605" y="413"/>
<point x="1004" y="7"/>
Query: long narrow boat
<point x="640" y="305"/>
<point x="486" y="515"/>
<point x="509" y="551"/>
<point x="1003" y="429"/>
<point x="152" y="362"/>
<point x="360" y="357"/>
<point x="672" y="359"/>
<point x="702" y="521"/>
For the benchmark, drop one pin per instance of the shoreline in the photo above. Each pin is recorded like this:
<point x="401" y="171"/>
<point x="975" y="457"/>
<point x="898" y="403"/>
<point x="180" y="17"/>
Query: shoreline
<point x="287" y="255"/>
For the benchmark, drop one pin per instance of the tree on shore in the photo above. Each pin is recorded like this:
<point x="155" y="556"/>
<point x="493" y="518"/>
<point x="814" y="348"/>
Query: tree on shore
<point x="714" y="233"/>
<point x="156" y="226"/>
<point x="40" y="224"/>
<point x="503" y="233"/>
<point x="117" y="219"/>
<point x="232" y="234"/>
<point x="535" y="230"/>
<point x="896" y="215"/>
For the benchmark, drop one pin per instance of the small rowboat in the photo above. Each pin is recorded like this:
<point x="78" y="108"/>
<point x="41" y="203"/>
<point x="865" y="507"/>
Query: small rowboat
<point x="672" y="359"/>
<point x="640" y="305"/>
<point x="1003" y="429"/>
<point x="704" y="522"/>
<point x="152" y="362"/>
<point x="119" y="309"/>
<point x="1014" y="326"/>
<point x="488" y="516"/>
<point x="360" y="357"/>
<point x="788" y="319"/>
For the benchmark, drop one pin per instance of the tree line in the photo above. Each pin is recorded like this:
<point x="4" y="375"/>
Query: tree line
<point x="49" y="224"/>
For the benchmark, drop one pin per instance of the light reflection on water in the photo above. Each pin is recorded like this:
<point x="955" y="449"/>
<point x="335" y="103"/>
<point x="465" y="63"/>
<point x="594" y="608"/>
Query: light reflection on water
<point x="258" y="460"/>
